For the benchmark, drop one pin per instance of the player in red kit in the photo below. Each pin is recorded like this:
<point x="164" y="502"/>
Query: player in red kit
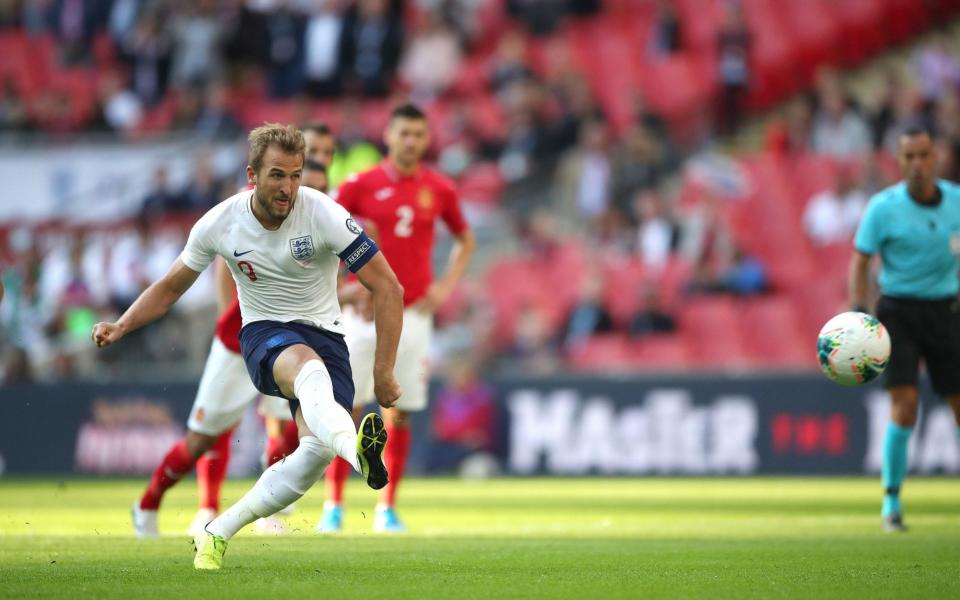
<point x="403" y="199"/>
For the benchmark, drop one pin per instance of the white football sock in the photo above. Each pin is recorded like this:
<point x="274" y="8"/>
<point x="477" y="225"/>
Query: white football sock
<point x="280" y="485"/>
<point x="330" y="422"/>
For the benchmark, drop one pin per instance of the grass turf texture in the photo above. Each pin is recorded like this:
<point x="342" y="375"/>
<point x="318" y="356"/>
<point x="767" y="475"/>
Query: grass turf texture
<point x="524" y="538"/>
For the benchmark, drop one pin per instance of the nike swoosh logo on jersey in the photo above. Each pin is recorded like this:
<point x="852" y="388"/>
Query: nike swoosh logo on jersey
<point x="383" y="194"/>
<point x="235" y="253"/>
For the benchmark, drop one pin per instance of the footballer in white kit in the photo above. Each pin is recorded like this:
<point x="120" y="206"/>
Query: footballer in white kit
<point x="283" y="244"/>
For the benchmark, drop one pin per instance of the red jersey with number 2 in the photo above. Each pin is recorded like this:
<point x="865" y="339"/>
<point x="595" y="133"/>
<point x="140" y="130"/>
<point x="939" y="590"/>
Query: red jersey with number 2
<point x="404" y="209"/>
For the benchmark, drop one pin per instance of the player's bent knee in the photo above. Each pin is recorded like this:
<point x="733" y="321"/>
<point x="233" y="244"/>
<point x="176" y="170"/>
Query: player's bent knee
<point x="288" y="365"/>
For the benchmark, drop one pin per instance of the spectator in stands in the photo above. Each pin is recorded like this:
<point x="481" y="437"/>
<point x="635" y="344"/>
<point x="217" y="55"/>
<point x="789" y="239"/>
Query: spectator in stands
<point x="464" y="330"/>
<point x="907" y="110"/>
<point x="705" y="241"/>
<point x="127" y="267"/>
<point x="789" y="132"/>
<point x="202" y="192"/>
<point x="161" y="200"/>
<point x="576" y="105"/>
<point x="286" y="31"/>
<point x="832" y="215"/>
<point x="148" y="50"/>
<point x="651" y="317"/>
<point x="72" y="274"/>
<point x="462" y="15"/>
<point x="462" y="419"/>
<point x="354" y="152"/>
<point x="509" y="62"/>
<point x="13" y="110"/>
<point x="370" y="47"/>
<point x="583" y="179"/>
<point x="638" y="165"/>
<point x="879" y="108"/>
<point x="947" y="118"/>
<point x="528" y="145"/>
<point x="744" y="275"/>
<point x="432" y="59"/>
<point x="666" y="35"/>
<point x="118" y="108"/>
<point x="747" y="276"/>
<point x="196" y="31"/>
<point x="244" y="40"/>
<point x="734" y="42"/>
<point x="838" y="129"/>
<point x="75" y="22"/>
<point x="123" y="19"/>
<point x="26" y="312"/>
<point x="656" y="233"/>
<point x="532" y="351"/>
<point x="216" y="120"/>
<point x="77" y="303"/>
<point x="322" y="49"/>
<point x="540" y="16"/>
<point x="540" y="236"/>
<point x="937" y="69"/>
<point x="588" y="316"/>
<point x="36" y="17"/>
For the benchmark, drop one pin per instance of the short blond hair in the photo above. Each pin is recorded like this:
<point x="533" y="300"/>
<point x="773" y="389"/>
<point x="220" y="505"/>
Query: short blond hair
<point x="287" y="138"/>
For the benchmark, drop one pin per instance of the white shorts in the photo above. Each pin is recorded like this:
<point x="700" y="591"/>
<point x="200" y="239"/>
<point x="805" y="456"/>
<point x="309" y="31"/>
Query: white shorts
<point x="276" y="407"/>
<point x="225" y="392"/>
<point x="411" y="370"/>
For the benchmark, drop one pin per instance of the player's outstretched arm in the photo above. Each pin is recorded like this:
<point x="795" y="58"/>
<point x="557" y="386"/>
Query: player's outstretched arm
<point x="387" y="293"/>
<point x="440" y="290"/>
<point x="152" y="304"/>
<point x="859" y="280"/>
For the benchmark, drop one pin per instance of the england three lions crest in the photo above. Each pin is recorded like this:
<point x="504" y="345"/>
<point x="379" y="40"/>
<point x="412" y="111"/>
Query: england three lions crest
<point x="302" y="247"/>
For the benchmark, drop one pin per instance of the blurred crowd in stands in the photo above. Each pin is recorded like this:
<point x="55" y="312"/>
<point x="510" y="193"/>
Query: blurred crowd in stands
<point x="614" y="224"/>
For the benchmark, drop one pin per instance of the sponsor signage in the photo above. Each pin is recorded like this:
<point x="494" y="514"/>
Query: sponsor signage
<point x="796" y="424"/>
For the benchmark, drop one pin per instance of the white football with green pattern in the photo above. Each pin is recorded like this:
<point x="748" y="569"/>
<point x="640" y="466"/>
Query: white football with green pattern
<point x="853" y="348"/>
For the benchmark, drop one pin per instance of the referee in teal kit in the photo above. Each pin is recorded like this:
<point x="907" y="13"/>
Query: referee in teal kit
<point x="915" y="228"/>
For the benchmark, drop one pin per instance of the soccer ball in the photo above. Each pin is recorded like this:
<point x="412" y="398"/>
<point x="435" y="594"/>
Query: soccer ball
<point x="853" y="348"/>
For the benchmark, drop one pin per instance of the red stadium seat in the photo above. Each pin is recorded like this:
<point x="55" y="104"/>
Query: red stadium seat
<point x="816" y="32"/>
<point x="701" y="21"/>
<point x="600" y="353"/>
<point x="773" y="336"/>
<point x="864" y="32"/>
<point x="710" y="329"/>
<point x="659" y="353"/>
<point x="904" y="18"/>
<point x="482" y="183"/>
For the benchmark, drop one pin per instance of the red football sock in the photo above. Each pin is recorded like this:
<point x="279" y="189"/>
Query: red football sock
<point x="337" y="474"/>
<point x="212" y="470"/>
<point x="274" y="450"/>
<point x="175" y="465"/>
<point x="279" y="447"/>
<point x="395" y="459"/>
<point x="291" y="437"/>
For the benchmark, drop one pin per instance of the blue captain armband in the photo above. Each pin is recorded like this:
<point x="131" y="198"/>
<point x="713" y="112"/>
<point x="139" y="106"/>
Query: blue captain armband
<point x="359" y="252"/>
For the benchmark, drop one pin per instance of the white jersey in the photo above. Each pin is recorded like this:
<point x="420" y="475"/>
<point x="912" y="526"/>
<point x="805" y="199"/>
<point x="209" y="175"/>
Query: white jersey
<point x="285" y="275"/>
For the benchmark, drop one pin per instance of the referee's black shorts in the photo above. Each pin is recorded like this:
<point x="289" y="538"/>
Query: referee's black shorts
<point x="928" y="329"/>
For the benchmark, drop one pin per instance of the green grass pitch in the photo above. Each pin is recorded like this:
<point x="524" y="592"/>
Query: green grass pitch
<point x="523" y="538"/>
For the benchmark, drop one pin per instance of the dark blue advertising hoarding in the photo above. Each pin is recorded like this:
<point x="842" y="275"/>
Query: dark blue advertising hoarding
<point x="703" y="425"/>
